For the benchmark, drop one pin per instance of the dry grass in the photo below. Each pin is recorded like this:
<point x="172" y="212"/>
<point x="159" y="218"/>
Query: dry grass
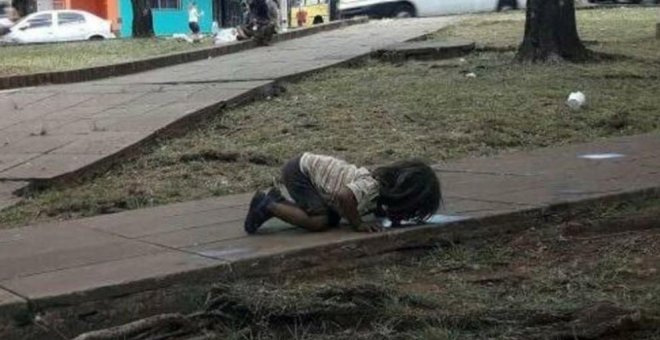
<point x="379" y="112"/>
<point x="549" y="282"/>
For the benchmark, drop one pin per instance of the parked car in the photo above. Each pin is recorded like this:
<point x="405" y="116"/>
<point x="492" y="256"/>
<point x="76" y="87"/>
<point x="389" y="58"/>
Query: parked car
<point x="634" y="2"/>
<point x="56" y="26"/>
<point x="421" y="8"/>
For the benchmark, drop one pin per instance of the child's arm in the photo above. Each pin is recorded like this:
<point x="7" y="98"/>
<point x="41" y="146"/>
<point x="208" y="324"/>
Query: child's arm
<point x="349" y="210"/>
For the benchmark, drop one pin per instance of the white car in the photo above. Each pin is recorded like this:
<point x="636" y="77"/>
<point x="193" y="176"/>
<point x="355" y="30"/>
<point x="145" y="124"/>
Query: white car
<point x="60" y="25"/>
<point x="421" y="8"/>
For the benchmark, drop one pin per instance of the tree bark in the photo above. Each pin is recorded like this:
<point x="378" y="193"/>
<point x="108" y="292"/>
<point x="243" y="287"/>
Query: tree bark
<point x="23" y="7"/>
<point x="551" y="33"/>
<point x="143" y="25"/>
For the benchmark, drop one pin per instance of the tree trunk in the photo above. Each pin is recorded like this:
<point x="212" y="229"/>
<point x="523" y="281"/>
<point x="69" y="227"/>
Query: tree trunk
<point x="551" y="33"/>
<point x="143" y="25"/>
<point x="24" y="7"/>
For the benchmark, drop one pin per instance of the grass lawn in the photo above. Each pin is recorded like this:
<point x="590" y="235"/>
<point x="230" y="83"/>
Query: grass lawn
<point x="629" y="31"/>
<point x="18" y="59"/>
<point x="380" y="112"/>
<point x="594" y="278"/>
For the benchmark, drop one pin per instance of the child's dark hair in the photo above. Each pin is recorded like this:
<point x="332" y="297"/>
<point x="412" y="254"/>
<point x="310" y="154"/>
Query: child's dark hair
<point x="409" y="190"/>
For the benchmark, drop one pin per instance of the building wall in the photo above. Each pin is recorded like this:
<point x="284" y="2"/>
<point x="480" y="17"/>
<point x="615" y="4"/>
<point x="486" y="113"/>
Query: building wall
<point x="168" y="21"/>
<point x="97" y="7"/>
<point x="44" y="5"/>
<point x="106" y="9"/>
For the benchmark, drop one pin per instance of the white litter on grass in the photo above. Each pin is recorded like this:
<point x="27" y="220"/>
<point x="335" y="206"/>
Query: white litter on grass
<point x="576" y="100"/>
<point x="599" y="156"/>
<point x="226" y="36"/>
<point x="435" y="219"/>
<point x="471" y="75"/>
<point x="184" y="37"/>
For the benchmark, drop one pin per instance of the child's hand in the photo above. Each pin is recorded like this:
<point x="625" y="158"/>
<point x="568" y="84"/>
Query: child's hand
<point x="369" y="228"/>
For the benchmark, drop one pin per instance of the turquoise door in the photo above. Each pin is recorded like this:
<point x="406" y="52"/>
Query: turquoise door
<point x="170" y="16"/>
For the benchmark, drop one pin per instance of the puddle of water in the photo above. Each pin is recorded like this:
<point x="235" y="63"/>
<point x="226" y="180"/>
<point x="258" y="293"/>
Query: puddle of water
<point x="442" y="219"/>
<point x="437" y="219"/>
<point x="599" y="156"/>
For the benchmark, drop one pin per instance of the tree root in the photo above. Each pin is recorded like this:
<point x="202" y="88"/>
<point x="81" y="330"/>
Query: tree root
<point x="249" y="310"/>
<point x="157" y="327"/>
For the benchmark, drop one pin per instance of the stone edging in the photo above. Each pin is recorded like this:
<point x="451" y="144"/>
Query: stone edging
<point x="130" y="300"/>
<point x="141" y="65"/>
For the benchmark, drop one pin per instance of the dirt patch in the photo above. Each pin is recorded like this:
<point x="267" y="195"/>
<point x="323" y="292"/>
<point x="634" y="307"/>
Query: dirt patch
<point x="220" y="156"/>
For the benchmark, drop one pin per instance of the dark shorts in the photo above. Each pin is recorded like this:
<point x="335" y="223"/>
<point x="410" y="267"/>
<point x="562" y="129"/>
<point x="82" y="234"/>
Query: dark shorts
<point x="194" y="27"/>
<point x="304" y="194"/>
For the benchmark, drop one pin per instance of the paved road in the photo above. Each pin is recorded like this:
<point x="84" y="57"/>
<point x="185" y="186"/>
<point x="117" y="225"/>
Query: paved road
<point x="94" y="258"/>
<point x="54" y="131"/>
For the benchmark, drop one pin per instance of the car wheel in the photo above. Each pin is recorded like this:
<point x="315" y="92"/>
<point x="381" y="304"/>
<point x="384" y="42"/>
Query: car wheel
<point x="96" y="38"/>
<point x="404" y="11"/>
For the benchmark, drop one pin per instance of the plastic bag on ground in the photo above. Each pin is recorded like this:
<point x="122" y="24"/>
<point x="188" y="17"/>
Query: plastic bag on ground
<point x="181" y="36"/>
<point x="226" y="36"/>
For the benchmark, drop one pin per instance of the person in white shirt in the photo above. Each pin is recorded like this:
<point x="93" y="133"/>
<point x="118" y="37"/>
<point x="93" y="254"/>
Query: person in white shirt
<point x="193" y="19"/>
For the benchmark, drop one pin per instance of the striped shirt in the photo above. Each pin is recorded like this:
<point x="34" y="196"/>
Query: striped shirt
<point x="329" y="175"/>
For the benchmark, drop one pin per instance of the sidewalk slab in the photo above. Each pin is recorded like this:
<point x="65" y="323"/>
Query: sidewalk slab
<point x="8" y="188"/>
<point x="119" y="277"/>
<point x="62" y="131"/>
<point x="70" y="262"/>
<point x="8" y="298"/>
<point x="104" y="260"/>
<point x="149" y="63"/>
<point x="58" y="246"/>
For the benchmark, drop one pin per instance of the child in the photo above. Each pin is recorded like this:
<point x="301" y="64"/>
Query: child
<point x="324" y="189"/>
<point x="193" y="20"/>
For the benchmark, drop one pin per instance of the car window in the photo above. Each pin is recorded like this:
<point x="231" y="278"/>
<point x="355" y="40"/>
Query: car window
<point x="68" y="18"/>
<point x="41" y="20"/>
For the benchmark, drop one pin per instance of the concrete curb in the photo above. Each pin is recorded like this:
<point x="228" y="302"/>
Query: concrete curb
<point x="141" y="65"/>
<point x="128" y="301"/>
<point x="423" y="50"/>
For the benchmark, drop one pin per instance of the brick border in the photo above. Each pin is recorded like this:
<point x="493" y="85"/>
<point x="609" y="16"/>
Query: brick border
<point x="141" y="65"/>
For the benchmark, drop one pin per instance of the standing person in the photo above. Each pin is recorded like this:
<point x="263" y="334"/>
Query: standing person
<point x="322" y="190"/>
<point x="8" y="16"/>
<point x="193" y="20"/>
<point x="245" y="13"/>
<point x="301" y="16"/>
<point x="274" y="13"/>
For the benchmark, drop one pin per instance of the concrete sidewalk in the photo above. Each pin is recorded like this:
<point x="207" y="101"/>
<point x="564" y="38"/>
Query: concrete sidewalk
<point x="74" y="262"/>
<point x="61" y="131"/>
